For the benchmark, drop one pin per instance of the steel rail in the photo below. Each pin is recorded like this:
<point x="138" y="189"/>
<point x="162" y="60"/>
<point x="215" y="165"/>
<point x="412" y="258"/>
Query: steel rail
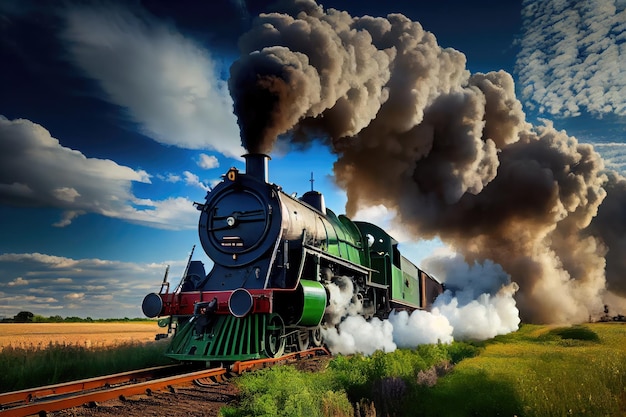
<point x="239" y="367"/>
<point x="30" y="394"/>
<point x="60" y="401"/>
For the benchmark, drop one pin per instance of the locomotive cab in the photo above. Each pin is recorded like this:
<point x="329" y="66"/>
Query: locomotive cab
<point x="409" y="286"/>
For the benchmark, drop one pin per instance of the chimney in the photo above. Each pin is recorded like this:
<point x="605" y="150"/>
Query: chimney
<point x="256" y="166"/>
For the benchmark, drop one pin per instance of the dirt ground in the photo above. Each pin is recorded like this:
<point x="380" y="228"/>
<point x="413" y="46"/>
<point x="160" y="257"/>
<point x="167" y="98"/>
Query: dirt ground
<point x="85" y="334"/>
<point x="185" y="401"/>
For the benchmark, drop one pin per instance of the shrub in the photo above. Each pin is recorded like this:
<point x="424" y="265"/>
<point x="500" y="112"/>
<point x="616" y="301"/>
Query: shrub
<point x="576" y="333"/>
<point x="336" y="404"/>
<point x="458" y="351"/>
<point x="282" y="391"/>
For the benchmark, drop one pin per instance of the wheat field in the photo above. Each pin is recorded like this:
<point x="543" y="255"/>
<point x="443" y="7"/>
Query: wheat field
<point x="83" y="334"/>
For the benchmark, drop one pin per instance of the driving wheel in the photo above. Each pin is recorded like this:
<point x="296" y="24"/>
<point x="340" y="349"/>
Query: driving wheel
<point x="274" y="336"/>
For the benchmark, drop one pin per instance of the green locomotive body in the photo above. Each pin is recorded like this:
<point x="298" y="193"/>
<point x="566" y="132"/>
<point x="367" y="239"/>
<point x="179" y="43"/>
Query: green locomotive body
<point x="275" y="259"/>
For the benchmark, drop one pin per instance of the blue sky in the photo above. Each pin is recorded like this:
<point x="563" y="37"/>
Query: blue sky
<point x="116" y="116"/>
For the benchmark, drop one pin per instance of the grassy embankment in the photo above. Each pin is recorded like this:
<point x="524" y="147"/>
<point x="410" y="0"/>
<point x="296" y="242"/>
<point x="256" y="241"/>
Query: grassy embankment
<point x="537" y="371"/>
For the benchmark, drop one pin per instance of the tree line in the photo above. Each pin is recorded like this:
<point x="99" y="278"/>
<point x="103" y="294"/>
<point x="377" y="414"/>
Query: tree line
<point x="28" y="317"/>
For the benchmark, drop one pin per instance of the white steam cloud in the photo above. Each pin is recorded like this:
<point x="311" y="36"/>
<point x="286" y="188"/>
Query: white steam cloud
<point x="342" y="301"/>
<point x="465" y="311"/>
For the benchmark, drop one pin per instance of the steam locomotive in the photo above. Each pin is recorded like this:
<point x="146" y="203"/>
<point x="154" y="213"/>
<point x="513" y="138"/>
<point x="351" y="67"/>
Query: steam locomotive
<point x="276" y="259"/>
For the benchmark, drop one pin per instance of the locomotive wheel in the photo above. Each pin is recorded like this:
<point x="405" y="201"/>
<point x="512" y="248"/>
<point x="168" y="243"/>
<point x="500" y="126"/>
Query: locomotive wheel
<point x="303" y="339"/>
<point x="275" y="336"/>
<point x="316" y="336"/>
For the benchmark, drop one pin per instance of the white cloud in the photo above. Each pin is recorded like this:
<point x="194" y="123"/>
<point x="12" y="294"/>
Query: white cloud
<point x="107" y="297"/>
<point x="58" y="176"/>
<point x="50" y="260"/>
<point x="613" y="155"/>
<point x="208" y="161"/>
<point x="170" y="178"/>
<point x="67" y="217"/>
<point x="173" y="213"/>
<point x="66" y="194"/>
<point x="193" y="179"/>
<point x="573" y="57"/>
<point x="75" y="296"/>
<point x="64" y="178"/>
<point x="89" y="287"/>
<point x="167" y="83"/>
<point x="27" y="299"/>
<point x="17" y="281"/>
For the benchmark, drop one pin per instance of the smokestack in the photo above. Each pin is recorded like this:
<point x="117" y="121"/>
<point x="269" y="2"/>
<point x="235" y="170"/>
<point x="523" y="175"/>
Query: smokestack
<point x="256" y="166"/>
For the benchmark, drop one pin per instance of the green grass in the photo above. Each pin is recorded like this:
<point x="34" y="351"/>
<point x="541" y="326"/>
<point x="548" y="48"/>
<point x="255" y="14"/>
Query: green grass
<point x="538" y="371"/>
<point x="36" y="366"/>
<point x="535" y="372"/>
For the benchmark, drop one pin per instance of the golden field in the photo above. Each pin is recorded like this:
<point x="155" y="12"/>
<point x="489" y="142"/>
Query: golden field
<point x="83" y="334"/>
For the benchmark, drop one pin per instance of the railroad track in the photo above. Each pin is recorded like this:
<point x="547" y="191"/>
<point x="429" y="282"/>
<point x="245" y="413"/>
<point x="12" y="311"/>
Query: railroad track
<point x="42" y="400"/>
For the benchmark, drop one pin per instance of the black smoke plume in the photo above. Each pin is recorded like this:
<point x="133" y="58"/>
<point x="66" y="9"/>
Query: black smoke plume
<point x="451" y="152"/>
